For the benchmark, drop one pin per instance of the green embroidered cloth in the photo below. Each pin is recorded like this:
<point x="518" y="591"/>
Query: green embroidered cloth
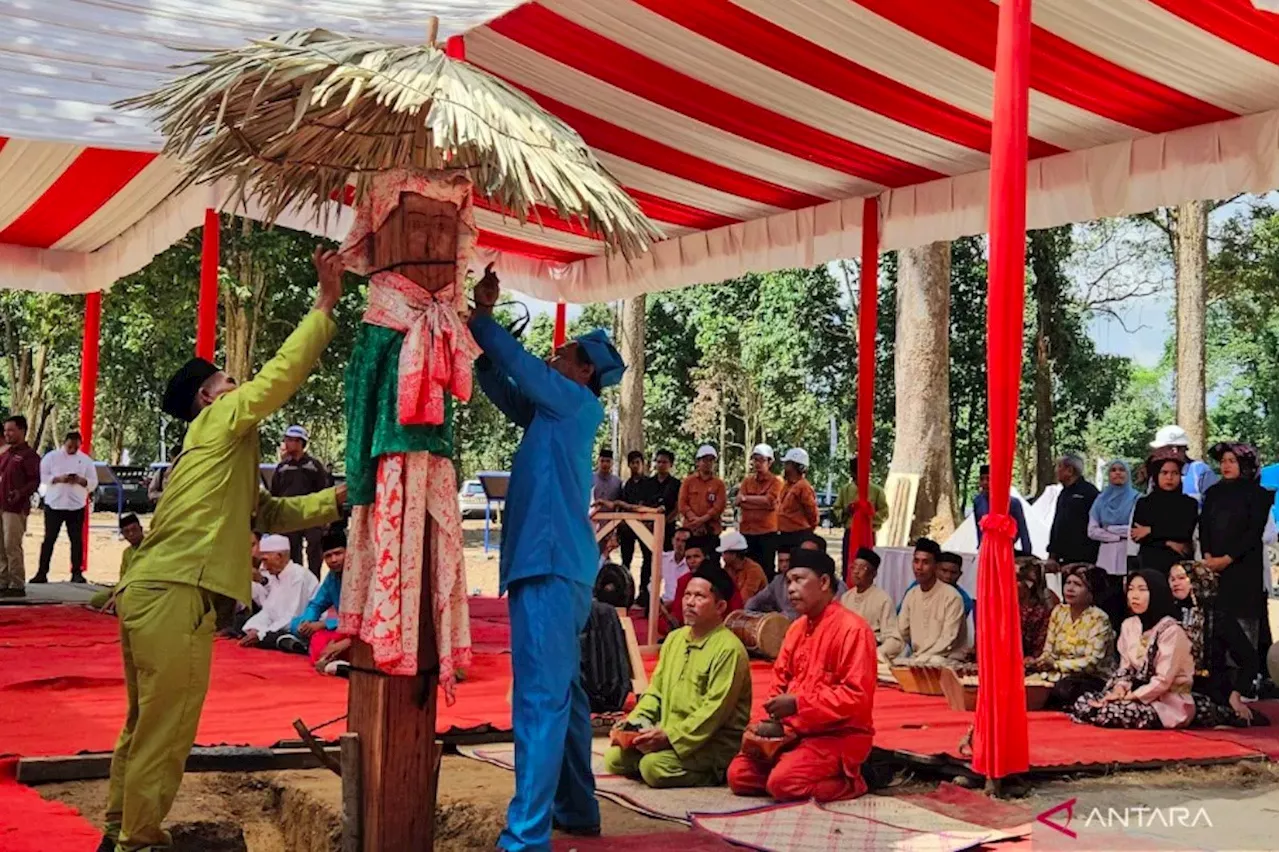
<point x="373" y="422"/>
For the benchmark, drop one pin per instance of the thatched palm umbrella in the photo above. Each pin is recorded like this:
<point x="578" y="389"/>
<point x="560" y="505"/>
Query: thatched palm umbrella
<point x="291" y="120"/>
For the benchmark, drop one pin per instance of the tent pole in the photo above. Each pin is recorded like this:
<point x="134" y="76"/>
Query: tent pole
<point x="1000" y="745"/>
<point x="863" y="534"/>
<point x="88" y="394"/>
<point x="207" y="312"/>
<point x="558" y="335"/>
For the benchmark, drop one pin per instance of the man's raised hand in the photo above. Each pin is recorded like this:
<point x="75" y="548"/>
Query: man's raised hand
<point x="487" y="292"/>
<point x="329" y="269"/>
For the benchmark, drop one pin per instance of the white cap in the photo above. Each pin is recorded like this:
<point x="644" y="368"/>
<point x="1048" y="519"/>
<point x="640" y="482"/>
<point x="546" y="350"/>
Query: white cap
<point x="273" y="544"/>
<point x="764" y="451"/>
<point x="296" y="431"/>
<point x="1171" y="436"/>
<point x="797" y="455"/>
<point x="706" y="450"/>
<point x="732" y="541"/>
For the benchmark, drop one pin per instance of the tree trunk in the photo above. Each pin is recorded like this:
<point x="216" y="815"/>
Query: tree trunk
<point x="1047" y="295"/>
<point x="1190" y="260"/>
<point x="922" y="397"/>
<point x="631" y="402"/>
<point x="724" y="403"/>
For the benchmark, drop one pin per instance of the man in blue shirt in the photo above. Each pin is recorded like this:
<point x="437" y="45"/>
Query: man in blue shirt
<point x="982" y="505"/>
<point x="548" y="565"/>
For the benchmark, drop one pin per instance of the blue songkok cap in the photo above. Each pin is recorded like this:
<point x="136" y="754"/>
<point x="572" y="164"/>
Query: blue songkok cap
<point x="603" y="356"/>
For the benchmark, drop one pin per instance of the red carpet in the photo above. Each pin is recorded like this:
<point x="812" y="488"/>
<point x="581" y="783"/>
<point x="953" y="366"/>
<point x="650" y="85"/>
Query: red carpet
<point x="65" y="663"/>
<point x="28" y="823"/>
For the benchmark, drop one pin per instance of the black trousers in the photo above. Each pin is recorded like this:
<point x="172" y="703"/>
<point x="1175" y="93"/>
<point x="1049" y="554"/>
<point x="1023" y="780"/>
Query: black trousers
<point x="628" y="543"/>
<point x="761" y="548"/>
<point x="308" y="541"/>
<point x="53" y="521"/>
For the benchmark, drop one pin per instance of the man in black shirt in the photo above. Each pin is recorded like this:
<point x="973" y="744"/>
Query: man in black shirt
<point x="639" y="494"/>
<point x="1069" y="537"/>
<point x="667" y="488"/>
<point x="297" y="474"/>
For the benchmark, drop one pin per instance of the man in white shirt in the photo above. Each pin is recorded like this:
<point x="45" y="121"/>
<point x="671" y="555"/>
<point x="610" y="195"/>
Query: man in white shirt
<point x="673" y="566"/>
<point x="289" y="588"/>
<point x="69" y="478"/>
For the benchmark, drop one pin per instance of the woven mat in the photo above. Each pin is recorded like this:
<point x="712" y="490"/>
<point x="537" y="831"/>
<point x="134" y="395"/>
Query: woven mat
<point x="808" y="827"/>
<point x="675" y="805"/>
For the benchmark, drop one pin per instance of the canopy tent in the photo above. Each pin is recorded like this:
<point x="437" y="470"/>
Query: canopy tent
<point x="759" y="135"/>
<point x="748" y="130"/>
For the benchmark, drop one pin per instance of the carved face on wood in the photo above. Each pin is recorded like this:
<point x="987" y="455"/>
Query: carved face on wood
<point x="419" y="240"/>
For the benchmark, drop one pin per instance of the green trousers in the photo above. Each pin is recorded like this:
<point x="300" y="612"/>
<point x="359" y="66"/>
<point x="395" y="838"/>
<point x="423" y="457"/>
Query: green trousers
<point x="166" y="636"/>
<point x="663" y="768"/>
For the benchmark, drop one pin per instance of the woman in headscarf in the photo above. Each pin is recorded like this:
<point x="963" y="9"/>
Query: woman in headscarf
<point x="1110" y="518"/>
<point x="1218" y="689"/>
<point x="1035" y="604"/>
<point x="1078" y="646"/>
<point x="1152" y="686"/>
<point x="1231" y="529"/>
<point x="1164" y="521"/>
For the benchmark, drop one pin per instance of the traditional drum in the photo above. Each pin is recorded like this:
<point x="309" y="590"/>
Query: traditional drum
<point x="761" y="632"/>
<point x="765" y="749"/>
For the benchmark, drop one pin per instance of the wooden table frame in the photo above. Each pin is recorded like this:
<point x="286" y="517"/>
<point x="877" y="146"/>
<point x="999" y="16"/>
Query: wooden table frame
<point x="649" y="527"/>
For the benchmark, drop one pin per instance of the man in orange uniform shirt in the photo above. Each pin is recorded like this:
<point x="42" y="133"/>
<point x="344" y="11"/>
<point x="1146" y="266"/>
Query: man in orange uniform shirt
<point x="823" y="689"/>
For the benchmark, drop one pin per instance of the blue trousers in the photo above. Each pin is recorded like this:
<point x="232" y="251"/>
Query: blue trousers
<point x="550" y="714"/>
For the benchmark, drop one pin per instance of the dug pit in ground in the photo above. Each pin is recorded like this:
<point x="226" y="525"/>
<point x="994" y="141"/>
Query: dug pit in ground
<point x="301" y="810"/>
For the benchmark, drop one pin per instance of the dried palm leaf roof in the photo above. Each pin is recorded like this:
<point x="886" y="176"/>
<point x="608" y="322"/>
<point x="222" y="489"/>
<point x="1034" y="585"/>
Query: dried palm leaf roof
<point x="293" y="118"/>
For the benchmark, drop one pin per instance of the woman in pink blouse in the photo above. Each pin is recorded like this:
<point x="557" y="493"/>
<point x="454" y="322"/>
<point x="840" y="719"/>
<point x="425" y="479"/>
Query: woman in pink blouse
<point x="1152" y="686"/>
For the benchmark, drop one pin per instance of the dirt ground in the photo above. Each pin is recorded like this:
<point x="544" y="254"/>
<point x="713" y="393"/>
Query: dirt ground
<point x="300" y="811"/>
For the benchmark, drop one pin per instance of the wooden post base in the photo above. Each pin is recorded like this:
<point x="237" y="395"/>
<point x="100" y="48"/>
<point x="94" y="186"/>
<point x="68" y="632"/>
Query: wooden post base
<point x="398" y="755"/>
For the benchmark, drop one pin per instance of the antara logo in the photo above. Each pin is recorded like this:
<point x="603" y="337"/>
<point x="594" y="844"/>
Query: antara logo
<point x="1139" y="816"/>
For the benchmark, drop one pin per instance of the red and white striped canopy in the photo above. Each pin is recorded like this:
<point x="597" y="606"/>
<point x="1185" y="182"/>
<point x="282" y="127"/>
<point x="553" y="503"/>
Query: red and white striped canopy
<point x="748" y="129"/>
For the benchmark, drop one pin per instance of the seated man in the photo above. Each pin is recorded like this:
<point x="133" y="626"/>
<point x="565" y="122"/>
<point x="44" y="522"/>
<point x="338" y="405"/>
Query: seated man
<point x="699" y="700"/>
<point x="673" y="564"/>
<point x="287" y="591"/>
<point x="773" y="597"/>
<point x="695" y="557"/>
<point x="745" y="572"/>
<point x="131" y="531"/>
<point x="873" y="604"/>
<point x="311" y="632"/>
<point x="823" y="688"/>
<point x="950" y="568"/>
<point x="931" y="618"/>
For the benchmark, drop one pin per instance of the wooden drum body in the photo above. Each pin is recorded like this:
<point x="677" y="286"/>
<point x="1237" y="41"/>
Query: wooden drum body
<point x="761" y="632"/>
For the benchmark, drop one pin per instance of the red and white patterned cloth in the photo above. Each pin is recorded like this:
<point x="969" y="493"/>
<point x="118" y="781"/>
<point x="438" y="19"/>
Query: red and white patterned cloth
<point x="382" y="586"/>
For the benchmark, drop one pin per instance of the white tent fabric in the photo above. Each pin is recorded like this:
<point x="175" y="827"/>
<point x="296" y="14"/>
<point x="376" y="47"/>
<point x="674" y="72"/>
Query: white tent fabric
<point x="748" y="130"/>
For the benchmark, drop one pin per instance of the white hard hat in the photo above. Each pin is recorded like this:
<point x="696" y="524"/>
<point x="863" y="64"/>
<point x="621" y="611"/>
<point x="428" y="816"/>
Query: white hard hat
<point x="732" y="541"/>
<point x="764" y="451"/>
<point x="706" y="450"/>
<point x="798" y="456"/>
<point x="296" y="431"/>
<point x="1171" y="436"/>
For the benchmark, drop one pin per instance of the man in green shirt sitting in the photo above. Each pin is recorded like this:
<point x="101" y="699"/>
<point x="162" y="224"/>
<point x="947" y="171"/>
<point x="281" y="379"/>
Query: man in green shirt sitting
<point x="699" y="700"/>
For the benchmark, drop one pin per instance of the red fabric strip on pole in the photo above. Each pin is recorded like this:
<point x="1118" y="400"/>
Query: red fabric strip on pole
<point x="623" y="143"/>
<point x="455" y="47"/>
<point x="1000" y="746"/>
<point x="787" y="53"/>
<point x="89" y="389"/>
<point x="207" y="312"/>
<point x="558" y="334"/>
<point x="1060" y="68"/>
<point x="863" y="534"/>
<point x="1238" y="22"/>
<point x="89" y="182"/>
<point x="553" y="35"/>
<point x="501" y="242"/>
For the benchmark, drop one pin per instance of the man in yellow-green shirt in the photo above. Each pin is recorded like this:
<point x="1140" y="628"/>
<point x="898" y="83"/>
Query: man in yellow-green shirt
<point x="197" y="557"/>
<point x="699" y="700"/>
<point x="847" y="500"/>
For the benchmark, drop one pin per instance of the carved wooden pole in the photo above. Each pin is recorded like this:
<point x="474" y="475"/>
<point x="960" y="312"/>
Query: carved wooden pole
<point x="396" y="716"/>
